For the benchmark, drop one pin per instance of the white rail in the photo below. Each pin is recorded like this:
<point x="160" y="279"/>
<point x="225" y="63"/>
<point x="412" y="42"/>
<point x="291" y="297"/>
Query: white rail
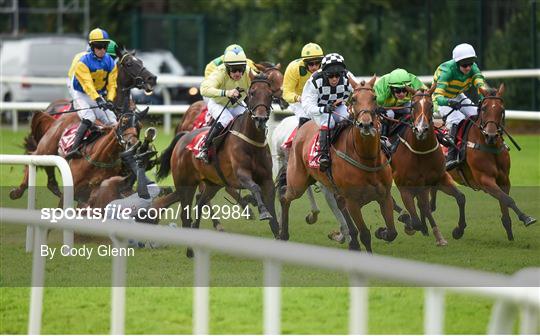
<point x="510" y="298"/>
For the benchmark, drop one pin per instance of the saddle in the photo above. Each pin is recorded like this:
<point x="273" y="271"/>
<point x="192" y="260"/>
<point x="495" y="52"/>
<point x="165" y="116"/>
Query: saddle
<point x="462" y="135"/>
<point x="314" y="147"/>
<point x="68" y="137"/>
<point x="199" y="140"/>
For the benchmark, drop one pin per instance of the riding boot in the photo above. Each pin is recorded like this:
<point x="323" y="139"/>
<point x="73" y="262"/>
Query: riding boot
<point x="324" y="159"/>
<point x="302" y="120"/>
<point x="451" y="158"/>
<point x="215" y="131"/>
<point x="142" y="179"/>
<point x="384" y="135"/>
<point x="128" y="157"/>
<point x="83" y="127"/>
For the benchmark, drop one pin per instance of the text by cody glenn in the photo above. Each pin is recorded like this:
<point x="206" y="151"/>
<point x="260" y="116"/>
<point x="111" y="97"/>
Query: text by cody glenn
<point x="86" y="251"/>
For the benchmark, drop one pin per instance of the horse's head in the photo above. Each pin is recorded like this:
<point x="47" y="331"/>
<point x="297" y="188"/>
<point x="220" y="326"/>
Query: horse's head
<point x="491" y="114"/>
<point x="275" y="77"/>
<point x="363" y="107"/>
<point x="422" y="111"/>
<point x="260" y="100"/>
<point x="128" y="128"/>
<point x="132" y="73"/>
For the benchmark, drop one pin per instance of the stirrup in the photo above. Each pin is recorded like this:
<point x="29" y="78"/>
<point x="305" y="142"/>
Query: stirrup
<point x="73" y="154"/>
<point x="203" y="156"/>
<point x="324" y="163"/>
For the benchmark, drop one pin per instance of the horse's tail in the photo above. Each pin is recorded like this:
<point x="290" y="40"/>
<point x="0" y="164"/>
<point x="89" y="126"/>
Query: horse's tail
<point x="40" y="124"/>
<point x="165" y="158"/>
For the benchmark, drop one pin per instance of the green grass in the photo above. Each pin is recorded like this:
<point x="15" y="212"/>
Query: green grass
<point x="313" y="302"/>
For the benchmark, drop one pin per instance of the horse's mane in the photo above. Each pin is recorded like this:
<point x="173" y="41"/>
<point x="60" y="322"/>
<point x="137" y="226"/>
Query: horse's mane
<point x="492" y="92"/>
<point x="260" y="77"/>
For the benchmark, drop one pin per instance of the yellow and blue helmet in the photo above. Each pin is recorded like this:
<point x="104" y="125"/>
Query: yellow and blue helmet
<point x="98" y="35"/>
<point x="234" y="56"/>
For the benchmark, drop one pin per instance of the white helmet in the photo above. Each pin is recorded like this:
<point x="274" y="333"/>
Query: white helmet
<point x="463" y="51"/>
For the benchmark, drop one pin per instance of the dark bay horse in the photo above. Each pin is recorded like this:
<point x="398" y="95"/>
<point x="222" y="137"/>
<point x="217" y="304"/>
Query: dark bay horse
<point x="487" y="160"/>
<point x="46" y="131"/>
<point x="244" y="160"/>
<point x="360" y="172"/>
<point x="418" y="165"/>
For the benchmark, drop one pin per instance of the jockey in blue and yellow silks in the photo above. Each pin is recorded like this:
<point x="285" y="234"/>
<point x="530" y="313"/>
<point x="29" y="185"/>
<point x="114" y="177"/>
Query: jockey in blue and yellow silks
<point x="93" y="75"/>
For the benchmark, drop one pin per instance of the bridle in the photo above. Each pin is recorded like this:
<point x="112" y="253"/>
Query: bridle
<point x="132" y="122"/>
<point x="357" y="114"/>
<point x="483" y="124"/>
<point x="268" y="107"/>
<point x="135" y="75"/>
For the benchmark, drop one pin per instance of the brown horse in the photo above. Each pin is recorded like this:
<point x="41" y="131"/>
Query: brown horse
<point x="487" y="161"/>
<point x="276" y="81"/>
<point x="46" y="131"/>
<point x="360" y="172"/>
<point x="243" y="161"/>
<point x="418" y="165"/>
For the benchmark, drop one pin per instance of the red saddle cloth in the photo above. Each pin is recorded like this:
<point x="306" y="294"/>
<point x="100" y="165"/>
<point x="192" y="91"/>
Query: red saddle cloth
<point x="202" y="120"/>
<point x="67" y="139"/>
<point x="62" y="108"/>
<point x="460" y="136"/>
<point x="313" y="157"/>
<point x="197" y="142"/>
<point x="288" y="143"/>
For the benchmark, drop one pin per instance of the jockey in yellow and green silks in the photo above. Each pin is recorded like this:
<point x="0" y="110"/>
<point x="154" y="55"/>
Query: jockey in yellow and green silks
<point x="210" y="67"/>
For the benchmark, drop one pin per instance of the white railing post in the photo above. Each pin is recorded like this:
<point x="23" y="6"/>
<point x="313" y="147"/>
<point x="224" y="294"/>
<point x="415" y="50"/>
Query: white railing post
<point x="272" y="297"/>
<point x="358" y="308"/>
<point x="68" y="195"/>
<point x="529" y="320"/>
<point x="31" y="205"/>
<point x="118" y="288"/>
<point x="38" y="282"/>
<point x="503" y="316"/>
<point x="14" y="120"/>
<point x="201" y="288"/>
<point x="434" y="311"/>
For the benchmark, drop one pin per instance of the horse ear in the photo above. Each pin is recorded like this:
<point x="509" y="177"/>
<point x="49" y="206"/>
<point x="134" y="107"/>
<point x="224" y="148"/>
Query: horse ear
<point x="142" y="114"/>
<point x="354" y="84"/>
<point x="500" y="90"/>
<point x="259" y="67"/>
<point x="119" y="51"/>
<point x="432" y="88"/>
<point x="278" y="66"/>
<point x="251" y="75"/>
<point x="372" y="80"/>
<point x="484" y="91"/>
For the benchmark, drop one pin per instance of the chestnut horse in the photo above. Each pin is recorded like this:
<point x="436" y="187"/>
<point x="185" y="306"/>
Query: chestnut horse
<point x="487" y="161"/>
<point x="360" y="172"/>
<point x="418" y="165"/>
<point x="46" y="131"/>
<point x="244" y="160"/>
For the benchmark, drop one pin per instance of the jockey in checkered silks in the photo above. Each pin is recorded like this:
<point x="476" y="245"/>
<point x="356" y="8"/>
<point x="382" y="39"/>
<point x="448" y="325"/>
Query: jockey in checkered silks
<point x="454" y="77"/>
<point x="296" y="76"/>
<point x="391" y="91"/>
<point x="93" y="76"/>
<point x="324" y="97"/>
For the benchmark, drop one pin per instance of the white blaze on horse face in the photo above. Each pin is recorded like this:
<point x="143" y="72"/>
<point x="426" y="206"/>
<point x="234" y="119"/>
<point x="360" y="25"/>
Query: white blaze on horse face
<point x="422" y="124"/>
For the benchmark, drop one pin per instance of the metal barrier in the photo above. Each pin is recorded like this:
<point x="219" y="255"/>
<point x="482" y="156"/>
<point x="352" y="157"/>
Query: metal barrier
<point x="359" y="266"/>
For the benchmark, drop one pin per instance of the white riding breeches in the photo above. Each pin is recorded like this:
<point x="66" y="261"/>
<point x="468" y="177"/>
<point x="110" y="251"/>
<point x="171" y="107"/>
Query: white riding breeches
<point x="228" y="113"/>
<point x="339" y="114"/>
<point x="456" y="116"/>
<point x="298" y="110"/>
<point x="90" y="110"/>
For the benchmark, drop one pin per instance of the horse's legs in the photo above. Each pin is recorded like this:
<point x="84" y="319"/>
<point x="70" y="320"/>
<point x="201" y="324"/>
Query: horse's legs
<point x="204" y="199"/>
<point x="356" y="214"/>
<point x="433" y="199"/>
<point x="269" y="196"/>
<point x="505" y="218"/>
<point x="351" y="226"/>
<point x="490" y="186"/>
<point x="425" y="211"/>
<point x="292" y="192"/>
<point x="52" y="184"/>
<point x="16" y="193"/>
<point x="448" y="187"/>
<point x="312" y="216"/>
<point x="390" y="233"/>
<point x="408" y="200"/>
<point x="403" y="216"/>
<point x="343" y="233"/>
<point x="185" y="196"/>
<point x="242" y="201"/>
<point x="247" y="182"/>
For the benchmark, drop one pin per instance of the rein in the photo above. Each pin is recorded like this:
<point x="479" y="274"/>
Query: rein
<point x="420" y="152"/>
<point x="359" y="165"/>
<point x="248" y="140"/>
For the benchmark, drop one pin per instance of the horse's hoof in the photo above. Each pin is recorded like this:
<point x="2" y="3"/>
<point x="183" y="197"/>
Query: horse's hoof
<point x="528" y="220"/>
<point x="189" y="253"/>
<point x="380" y="233"/>
<point x="265" y="215"/>
<point x="55" y="190"/>
<point x="15" y="194"/>
<point x="249" y="199"/>
<point x="311" y="217"/>
<point x="219" y="227"/>
<point x="354" y="246"/>
<point x="441" y="242"/>
<point x="409" y="231"/>
<point x="457" y="233"/>
<point x="405" y="218"/>
<point x="337" y="236"/>
<point x="424" y="231"/>
<point x="284" y="237"/>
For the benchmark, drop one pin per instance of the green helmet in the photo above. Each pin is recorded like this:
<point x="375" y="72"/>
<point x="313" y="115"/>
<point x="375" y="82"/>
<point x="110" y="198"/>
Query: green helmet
<point x="111" y="49"/>
<point x="399" y="78"/>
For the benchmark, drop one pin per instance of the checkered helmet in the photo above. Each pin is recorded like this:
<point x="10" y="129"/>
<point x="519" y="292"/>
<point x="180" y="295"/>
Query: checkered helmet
<point x="333" y="61"/>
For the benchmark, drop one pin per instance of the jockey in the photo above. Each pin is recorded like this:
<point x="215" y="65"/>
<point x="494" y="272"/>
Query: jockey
<point x="210" y="67"/>
<point x="453" y="77"/>
<point x="391" y="91"/>
<point x="324" y="97"/>
<point x="225" y="87"/>
<point x="296" y="76"/>
<point x="94" y="75"/>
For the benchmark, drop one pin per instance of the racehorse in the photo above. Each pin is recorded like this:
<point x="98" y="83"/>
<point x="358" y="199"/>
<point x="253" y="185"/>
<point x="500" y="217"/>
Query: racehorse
<point x="46" y="130"/>
<point x="418" y="165"/>
<point x="486" y="165"/>
<point x="359" y="172"/>
<point x="243" y="161"/>
<point x="281" y="134"/>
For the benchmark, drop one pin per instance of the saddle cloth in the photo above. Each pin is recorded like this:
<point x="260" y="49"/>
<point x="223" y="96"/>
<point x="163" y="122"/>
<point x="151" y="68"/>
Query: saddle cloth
<point x="287" y="144"/>
<point x="62" y="108"/>
<point x="203" y="119"/>
<point x="313" y="156"/>
<point x="197" y="142"/>
<point x="67" y="139"/>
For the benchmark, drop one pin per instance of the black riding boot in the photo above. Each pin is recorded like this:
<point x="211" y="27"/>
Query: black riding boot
<point x="128" y="157"/>
<point x="83" y="127"/>
<point x="142" y="179"/>
<point x="302" y="120"/>
<point x="385" y="129"/>
<point x="203" y="154"/>
<point x="451" y="157"/>
<point x="324" y="159"/>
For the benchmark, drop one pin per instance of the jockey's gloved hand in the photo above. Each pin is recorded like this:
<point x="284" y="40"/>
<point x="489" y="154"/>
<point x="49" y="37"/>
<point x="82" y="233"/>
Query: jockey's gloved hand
<point x="109" y="105"/>
<point x="454" y="104"/>
<point x="102" y="103"/>
<point x="329" y="108"/>
<point x="380" y="110"/>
